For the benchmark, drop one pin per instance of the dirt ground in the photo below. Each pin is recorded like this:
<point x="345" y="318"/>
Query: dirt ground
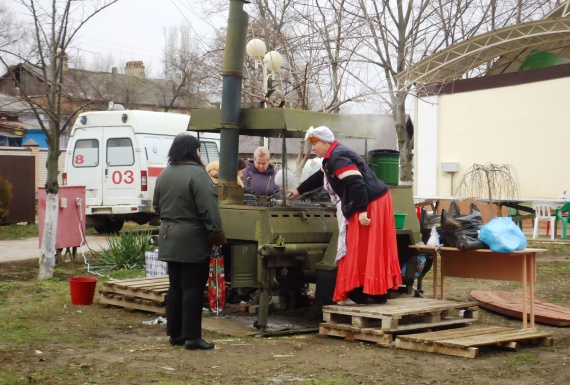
<point x="46" y="340"/>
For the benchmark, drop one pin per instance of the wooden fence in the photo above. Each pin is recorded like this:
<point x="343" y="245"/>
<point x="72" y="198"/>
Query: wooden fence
<point x="25" y="168"/>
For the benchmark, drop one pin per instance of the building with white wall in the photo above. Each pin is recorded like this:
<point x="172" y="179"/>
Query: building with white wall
<point x="513" y="113"/>
<point x="515" y="118"/>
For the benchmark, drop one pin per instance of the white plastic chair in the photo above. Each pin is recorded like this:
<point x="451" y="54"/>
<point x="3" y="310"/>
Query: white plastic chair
<point x="544" y="212"/>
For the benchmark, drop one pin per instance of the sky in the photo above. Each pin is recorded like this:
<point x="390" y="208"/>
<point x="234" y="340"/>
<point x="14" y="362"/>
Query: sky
<point x="134" y="30"/>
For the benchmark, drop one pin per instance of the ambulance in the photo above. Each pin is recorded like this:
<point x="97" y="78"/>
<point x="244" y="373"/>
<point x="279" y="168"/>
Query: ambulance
<point x="117" y="155"/>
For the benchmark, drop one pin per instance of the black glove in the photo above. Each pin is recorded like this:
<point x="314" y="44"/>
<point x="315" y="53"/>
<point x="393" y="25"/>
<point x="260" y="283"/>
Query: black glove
<point x="218" y="239"/>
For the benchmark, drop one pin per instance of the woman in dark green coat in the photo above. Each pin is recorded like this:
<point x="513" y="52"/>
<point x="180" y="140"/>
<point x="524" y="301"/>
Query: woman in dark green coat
<point x="190" y="226"/>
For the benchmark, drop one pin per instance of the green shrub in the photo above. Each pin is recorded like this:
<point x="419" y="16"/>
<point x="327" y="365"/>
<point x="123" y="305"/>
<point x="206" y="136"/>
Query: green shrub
<point x="5" y="198"/>
<point x="124" y="252"/>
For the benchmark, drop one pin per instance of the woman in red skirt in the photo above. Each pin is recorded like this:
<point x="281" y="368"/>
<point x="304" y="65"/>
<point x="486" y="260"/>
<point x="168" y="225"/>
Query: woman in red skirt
<point x="370" y="267"/>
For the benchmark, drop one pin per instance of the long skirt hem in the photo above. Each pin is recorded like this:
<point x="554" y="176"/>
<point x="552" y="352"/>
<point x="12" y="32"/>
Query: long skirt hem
<point x="371" y="260"/>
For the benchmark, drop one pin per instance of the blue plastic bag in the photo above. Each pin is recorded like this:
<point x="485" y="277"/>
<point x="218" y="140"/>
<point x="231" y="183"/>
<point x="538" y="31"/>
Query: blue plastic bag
<point x="421" y="261"/>
<point x="502" y="235"/>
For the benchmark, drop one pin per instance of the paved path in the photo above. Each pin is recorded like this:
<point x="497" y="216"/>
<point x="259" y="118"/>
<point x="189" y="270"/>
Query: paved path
<point x="22" y="249"/>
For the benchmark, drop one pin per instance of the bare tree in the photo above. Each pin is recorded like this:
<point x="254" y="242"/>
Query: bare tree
<point x="183" y="70"/>
<point x="55" y="24"/>
<point x="317" y="39"/>
<point x="332" y="70"/>
<point x="401" y="33"/>
<point x="397" y="36"/>
<point x="12" y="32"/>
<point x="213" y="57"/>
<point x="489" y="181"/>
<point x="14" y="36"/>
<point x="349" y="51"/>
<point x="102" y="63"/>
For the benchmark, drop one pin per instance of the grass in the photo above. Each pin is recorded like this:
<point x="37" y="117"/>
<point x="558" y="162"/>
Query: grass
<point x="125" y="256"/>
<point x="38" y="321"/>
<point x="523" y="359"/>
<point x="46" y="340"/>
<point x="13" y="232"/>
<point x="24" y="231"/>
<point x="554" y="249"/>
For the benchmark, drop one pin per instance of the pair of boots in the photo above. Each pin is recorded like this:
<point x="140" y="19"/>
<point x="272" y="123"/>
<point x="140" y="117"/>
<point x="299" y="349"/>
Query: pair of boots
<point x="358" y="297"/>
<point x="193" y="344"/>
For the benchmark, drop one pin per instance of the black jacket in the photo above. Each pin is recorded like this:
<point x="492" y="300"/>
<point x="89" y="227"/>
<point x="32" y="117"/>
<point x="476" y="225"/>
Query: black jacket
<point x="350" y="178"/>
<point x="186" y="200"/>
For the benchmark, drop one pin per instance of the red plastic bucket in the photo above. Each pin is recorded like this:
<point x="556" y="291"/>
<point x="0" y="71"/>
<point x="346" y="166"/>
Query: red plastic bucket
<point x="82" y="290"/>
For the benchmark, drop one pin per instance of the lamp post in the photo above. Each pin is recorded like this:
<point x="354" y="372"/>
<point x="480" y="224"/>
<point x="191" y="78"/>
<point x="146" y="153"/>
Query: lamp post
<point x="270" y="62"/>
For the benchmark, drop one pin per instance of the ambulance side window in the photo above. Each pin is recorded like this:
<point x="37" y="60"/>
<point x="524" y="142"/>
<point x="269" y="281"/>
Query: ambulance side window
<point x="120" y="152"/>
<point x="86" y="153"/>
<point x="209" y="152"/>
<point x="156" y="150"/>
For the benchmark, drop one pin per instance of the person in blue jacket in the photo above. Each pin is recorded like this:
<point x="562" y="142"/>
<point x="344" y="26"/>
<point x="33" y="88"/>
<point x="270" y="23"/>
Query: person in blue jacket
<point x="259" y="174"/>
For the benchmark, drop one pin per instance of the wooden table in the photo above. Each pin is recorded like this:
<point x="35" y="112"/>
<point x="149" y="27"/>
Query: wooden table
<point x="433" y="201"/>
<point x="524" y="204"/>
<point x="518" y="266"/>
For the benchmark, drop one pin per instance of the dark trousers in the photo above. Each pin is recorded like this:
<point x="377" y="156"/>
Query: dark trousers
<point x="185" y="299"/>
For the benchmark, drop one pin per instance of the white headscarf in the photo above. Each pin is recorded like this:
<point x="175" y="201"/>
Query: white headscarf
<point x="321" y="133"/>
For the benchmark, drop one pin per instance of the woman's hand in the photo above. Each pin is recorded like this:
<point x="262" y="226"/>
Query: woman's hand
<point x="363" y="218"/>
<point x="292" y="194"/>
<point x="218" y="239"/>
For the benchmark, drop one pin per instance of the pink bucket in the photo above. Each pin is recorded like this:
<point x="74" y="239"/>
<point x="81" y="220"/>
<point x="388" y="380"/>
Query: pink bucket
<point x="82" y="290"/>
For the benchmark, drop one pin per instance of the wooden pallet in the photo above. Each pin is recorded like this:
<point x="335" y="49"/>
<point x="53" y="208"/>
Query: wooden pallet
<point x="150" y="288"/>
<point x="132" y="303"/>
<point x="352" y="333"/>
<point x="467" y="341"/>
<point x="402" y="315"/>
<point x="147" y="294"/>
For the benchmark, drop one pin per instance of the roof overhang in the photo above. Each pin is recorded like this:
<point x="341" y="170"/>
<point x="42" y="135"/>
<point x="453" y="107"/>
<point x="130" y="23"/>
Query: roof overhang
<point x="547" y="35"/>
<point x="276" y="122"/>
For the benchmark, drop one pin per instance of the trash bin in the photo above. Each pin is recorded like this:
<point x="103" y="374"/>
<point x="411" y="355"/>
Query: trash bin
<point x="386" y="165"/>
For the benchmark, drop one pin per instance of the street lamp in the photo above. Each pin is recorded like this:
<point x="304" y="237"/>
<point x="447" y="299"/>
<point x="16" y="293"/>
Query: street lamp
<point x="272" y="61"/>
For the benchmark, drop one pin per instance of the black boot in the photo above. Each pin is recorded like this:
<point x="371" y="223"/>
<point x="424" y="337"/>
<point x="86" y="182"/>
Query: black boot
<point x="380" y="299"/>
<point x="358" y="296"/>
<point x="233" y="296"/>
<point x="176" y="341"/>
<point x="198" y="344"/>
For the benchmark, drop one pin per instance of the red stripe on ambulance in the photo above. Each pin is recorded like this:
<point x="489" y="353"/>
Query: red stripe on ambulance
<point x="154" y="171"/>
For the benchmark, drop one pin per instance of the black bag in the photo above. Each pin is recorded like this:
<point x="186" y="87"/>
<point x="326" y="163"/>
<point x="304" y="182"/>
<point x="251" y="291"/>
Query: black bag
<point x="427" y="222"/>
<point x="462" y="231"/>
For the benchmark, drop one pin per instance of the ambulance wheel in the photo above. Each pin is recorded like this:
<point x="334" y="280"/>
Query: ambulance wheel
<point x="110" y="226"/>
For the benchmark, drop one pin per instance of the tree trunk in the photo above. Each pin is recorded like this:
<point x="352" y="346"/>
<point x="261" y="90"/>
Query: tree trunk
<point x="47" y="256"/>
<point x="53" y="30"/>
<point x="405" y="144"/>
<point x="48" y="250"/>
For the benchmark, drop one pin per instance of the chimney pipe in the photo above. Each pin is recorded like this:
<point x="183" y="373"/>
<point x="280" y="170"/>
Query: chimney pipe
<point x="232" y="73"/>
